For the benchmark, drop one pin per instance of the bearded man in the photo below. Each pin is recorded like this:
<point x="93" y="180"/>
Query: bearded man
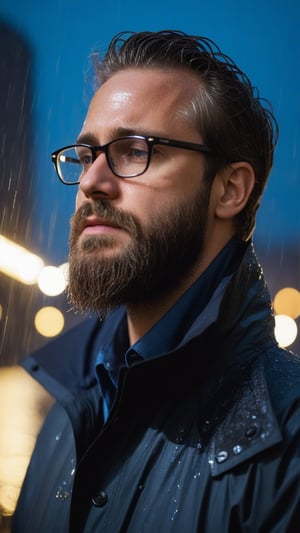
<point x="175" y="410"/>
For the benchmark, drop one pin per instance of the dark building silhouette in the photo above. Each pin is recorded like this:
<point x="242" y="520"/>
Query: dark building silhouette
<point x="19" y="303"/>
<point x="16" y="189"/>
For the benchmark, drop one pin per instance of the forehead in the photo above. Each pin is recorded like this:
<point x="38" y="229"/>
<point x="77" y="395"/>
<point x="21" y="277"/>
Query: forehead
<point x="145" y="99"/>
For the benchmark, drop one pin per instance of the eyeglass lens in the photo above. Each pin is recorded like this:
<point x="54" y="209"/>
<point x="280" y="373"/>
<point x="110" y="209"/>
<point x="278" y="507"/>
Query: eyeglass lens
<point x="126" y="157"/>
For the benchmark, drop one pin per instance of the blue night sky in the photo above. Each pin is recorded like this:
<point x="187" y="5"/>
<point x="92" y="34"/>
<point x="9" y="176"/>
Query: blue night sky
<point x="261" y="36"/>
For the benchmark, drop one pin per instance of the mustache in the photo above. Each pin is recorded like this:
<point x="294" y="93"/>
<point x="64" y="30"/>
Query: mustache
<point x="105" y="211"/>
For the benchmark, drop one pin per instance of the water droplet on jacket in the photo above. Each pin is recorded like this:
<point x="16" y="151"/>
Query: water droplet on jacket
<point x="196" y="476"/>
<point x="174" y="514"/>
<point x="264" y="435"/>
<point x="222" y="456"/>
<point x="263" y="408"/>
<point x="251" y="431"/>
<point x="63" y="492"/>
<point x="237" y="449"/>
<point x="206" y="425"/>
<point x="174" y="455"/>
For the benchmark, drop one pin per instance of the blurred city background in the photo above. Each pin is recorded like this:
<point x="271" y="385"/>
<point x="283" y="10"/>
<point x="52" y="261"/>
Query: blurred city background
<point x="45" y="87"/>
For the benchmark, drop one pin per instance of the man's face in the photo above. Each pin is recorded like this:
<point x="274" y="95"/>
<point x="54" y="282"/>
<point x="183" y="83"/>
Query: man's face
<point x="135" y="239"/>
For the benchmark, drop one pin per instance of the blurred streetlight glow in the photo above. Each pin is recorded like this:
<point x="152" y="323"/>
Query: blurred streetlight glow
<point x="51" y="280"/>
<point x="19" y="263"/>
<point x="49" y="321"/>
<point x="287" y="302"/>
<point x="285" y="330"/>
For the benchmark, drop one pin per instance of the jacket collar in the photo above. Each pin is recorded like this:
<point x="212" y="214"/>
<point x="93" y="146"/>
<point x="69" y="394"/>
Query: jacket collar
<point x="242" y="333"/>
<point x="249" y="428"/>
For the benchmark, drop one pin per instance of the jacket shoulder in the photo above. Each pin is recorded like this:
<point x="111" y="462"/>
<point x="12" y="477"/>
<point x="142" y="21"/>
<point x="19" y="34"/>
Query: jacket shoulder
<point x="264" y="411"/>
<point x="67" y="359"/>
<point x="282" y="373"/>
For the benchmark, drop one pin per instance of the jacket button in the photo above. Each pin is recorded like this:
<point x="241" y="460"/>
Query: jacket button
<point x="100" y="498"/>
<point x="251" y="431"/>
<point x="237" y="449"/>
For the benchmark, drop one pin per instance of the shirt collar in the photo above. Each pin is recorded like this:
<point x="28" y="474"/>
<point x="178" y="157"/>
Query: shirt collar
<point x="113" y="343"/>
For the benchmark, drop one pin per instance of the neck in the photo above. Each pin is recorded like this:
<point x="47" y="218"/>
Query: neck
<point x="142" y="316"/>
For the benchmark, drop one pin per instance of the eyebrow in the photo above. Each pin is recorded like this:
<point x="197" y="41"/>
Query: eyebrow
<point x="86" y="138"/>
<point x="90" y="138"/>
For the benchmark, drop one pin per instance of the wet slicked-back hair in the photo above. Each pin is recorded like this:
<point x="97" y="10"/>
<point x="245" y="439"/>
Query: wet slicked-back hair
<point x="227" y="111"/>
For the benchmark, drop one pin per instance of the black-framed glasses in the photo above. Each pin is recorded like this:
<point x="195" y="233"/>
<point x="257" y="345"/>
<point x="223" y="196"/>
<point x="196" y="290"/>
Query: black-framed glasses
<point x="127" y="157"/>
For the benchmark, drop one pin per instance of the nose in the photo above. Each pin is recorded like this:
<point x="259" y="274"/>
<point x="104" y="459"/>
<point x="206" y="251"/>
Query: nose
<point x="99" y="180"/>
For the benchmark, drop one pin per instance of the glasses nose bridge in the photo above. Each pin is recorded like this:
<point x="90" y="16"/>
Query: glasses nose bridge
<point x="98" y="179"/>
<point x="97" y="150"/>
<point x="106" y="149"/>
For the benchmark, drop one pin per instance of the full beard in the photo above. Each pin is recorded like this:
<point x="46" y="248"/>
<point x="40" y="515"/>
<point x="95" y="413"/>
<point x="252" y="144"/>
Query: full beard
<point x="157" y="259"/>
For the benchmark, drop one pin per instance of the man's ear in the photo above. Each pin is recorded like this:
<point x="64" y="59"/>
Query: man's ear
<point x="235" y="186"/>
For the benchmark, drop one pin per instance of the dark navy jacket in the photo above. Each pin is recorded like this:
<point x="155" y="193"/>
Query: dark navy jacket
<point x="203" y="439"/>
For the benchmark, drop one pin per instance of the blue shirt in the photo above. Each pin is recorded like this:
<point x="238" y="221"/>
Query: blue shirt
<point x="166" y="334"/>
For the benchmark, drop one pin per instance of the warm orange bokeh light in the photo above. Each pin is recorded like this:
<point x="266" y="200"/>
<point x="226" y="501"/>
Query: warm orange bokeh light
<point x="287" y="302"/>
<point x="49" y="321"/>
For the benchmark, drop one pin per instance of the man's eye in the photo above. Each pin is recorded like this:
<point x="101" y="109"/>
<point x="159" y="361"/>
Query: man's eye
<point x="137" y="153"/>
<point x="85" y="160"/>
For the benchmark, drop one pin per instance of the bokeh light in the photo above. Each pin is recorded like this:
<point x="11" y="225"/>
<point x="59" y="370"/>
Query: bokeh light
<point x="285" y="330"/>
<point x="19" y="263"/>
<point x="51" y="280"/>
<point x="49" y="321"/>
<point x="287" y="302"/>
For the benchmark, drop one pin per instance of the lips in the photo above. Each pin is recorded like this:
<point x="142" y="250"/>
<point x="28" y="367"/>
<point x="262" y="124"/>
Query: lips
<point x="98" y="218"/>
<point x="94" y="225"/>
